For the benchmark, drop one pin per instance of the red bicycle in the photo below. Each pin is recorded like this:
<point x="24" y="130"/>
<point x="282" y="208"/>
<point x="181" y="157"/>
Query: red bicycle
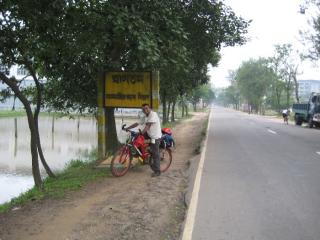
<point x="137" y="147"/>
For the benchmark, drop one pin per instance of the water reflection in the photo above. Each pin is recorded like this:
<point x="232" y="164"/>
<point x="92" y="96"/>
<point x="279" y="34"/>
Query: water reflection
<point x="65" y="141"/>
<point x="62" y="139"/>
<point x="13" y="185"/>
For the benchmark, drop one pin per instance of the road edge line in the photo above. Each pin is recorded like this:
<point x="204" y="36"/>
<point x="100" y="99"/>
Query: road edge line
<point x="191" y="214"/>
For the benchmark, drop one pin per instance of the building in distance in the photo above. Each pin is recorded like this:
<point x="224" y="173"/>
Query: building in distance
<point x="306" y="87"/>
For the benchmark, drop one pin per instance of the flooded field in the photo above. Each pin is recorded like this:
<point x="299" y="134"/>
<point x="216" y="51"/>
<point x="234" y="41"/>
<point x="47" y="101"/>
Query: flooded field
<point x="63" y="139"/>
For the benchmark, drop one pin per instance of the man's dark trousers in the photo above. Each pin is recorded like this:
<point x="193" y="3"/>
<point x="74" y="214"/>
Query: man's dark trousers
<point x="155" y="156"/>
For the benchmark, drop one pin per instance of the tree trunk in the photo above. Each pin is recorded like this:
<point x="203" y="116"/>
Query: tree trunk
<point x="164" y="109"/>
<point x="43" y="160"/>
<point x="15" y="128"/>
<point x="32" y="127"/>
<point x="182" y="109"/>
<point x="172" y="110"/>
<point x="52" y="125"/>
<point x="278" y="97"/>
<point x="168" y="113"/>
<point x="296" y="88"/>
<point x="34" y="153"/>
<point x="14" y="103"/>
<point x="187" y="110"/>
<point x="288" y="97"/>
<point x="36" y="121"/>
<point x="112" y="142"/>
<point x="194" y="107"/>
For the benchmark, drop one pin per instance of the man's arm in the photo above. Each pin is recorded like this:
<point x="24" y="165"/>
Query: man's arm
<point x="132" y="126"/>
<point x="146" y="128"/>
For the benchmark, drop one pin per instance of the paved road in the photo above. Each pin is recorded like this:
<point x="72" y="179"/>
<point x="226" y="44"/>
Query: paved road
<point x="261" y="180"/>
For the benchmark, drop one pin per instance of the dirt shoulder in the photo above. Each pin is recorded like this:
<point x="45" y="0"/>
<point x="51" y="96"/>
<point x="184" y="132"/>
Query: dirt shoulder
<point x="133" y="207"/>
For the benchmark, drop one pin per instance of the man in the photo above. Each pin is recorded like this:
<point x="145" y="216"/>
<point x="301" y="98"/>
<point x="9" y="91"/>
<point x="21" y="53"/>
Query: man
<point x="285" y="115"/>
<point x="153" y="130"/>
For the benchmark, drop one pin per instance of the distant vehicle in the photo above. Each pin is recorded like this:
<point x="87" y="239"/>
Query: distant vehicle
<point x="308" y="112"/>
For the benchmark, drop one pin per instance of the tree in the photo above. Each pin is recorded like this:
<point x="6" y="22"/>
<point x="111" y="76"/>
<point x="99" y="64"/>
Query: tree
<point x="277" y="85"/>
<point x="207" y="94"/>
<point x="285" y="65"/>
<point x="127" y="37"/>
<point x="253" y="79"/>
<point x="208" y="26"/>
<point x="195" y="97"/>
<point x="232" y="93"/>
<point x="232" y="96"/>
<point x="17" y="45"/>
<point x="312" y="37"/>
<point x="277" y="88"/>
<point x="90" y="37"/>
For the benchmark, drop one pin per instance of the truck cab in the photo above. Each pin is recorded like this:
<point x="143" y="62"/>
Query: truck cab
<point x="308" y="112"/>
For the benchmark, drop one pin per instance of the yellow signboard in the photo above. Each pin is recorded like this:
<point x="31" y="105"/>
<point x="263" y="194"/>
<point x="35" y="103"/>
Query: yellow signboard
<point x="130" y="89"/>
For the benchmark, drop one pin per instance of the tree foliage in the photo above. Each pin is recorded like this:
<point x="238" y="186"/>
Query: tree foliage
<point x="285" y="65"/>
<point x="70" y="43"/>
<point x="253" y="79"/>
<point x="18" y="46"/>
<point x="311" y="37"/>
<point x="264" y="81"/>
<point x="208" y="26"/>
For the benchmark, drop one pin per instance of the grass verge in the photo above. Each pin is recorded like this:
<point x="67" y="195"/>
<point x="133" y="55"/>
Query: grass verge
<point x="9" y="113"/>
<point x="177" y="121"/>
<point x="67" y="115"/>
<point x="21" y="113"/>
<point x="77" y="174"/>
<point x="202" y="136"/>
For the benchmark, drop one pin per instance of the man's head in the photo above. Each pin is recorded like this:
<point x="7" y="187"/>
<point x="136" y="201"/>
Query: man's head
<point x="146" y="108"/>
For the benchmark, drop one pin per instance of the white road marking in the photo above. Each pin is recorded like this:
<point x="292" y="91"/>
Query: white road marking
<point x="273" y="132"/>
<point x="318" y="153"/>
<point x="191" y="215"/>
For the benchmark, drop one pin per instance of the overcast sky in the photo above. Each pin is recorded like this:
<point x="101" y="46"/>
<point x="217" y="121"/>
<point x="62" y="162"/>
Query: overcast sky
<point x="273" y="22"/>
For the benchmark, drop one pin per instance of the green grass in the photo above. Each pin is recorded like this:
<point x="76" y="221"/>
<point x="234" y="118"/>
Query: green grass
<point x="61" y="114"/>
<point x="270" y="112"/>
<point x="77" y="174"/>
<point x="9" y="113"/>
<point x="179" y="119"/>
<point x="205" y="109"/>
<point x="21" y="113"/>
<point x="202" y="136"/>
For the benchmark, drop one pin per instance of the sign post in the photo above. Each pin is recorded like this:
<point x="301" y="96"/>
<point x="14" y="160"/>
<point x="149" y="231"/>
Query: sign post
<point x="131" y="89"/>
<point x="101" y="118"/>
<point x="124" y="90"/>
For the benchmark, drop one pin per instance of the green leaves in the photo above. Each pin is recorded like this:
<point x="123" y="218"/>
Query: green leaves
<point x="71" y="42"/>
<point x="253" y="79"/>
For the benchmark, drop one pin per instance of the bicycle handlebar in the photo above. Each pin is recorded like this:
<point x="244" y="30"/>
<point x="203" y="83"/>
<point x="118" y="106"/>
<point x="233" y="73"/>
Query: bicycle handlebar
<point x="128" y="130"/>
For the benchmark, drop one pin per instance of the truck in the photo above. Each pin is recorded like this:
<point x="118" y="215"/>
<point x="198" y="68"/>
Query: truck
<point x="308" y="112"/>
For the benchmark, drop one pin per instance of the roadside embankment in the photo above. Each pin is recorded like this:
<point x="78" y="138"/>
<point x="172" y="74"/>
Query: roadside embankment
<point x="133" y="207"/>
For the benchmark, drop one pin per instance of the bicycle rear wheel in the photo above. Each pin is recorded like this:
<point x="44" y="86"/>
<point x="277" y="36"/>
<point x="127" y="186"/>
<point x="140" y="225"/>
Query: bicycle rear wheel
<point x="121" y="162"/>
<point x="165" y="159"/>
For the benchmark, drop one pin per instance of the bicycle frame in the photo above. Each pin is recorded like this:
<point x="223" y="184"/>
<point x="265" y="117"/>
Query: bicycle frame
<point x="136" y="146"/>
<point x="142" y="151"/>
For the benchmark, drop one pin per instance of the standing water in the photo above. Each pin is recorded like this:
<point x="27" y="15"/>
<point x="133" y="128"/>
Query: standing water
<point x="62" y="139"/>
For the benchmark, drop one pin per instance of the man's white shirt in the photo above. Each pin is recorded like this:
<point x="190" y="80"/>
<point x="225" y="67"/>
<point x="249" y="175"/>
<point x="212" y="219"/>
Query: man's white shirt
<point x="154" y="131"/>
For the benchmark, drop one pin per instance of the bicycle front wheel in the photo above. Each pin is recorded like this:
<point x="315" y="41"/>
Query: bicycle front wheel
<point x="165" y="159"/>
<point x="121" y="162"/>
